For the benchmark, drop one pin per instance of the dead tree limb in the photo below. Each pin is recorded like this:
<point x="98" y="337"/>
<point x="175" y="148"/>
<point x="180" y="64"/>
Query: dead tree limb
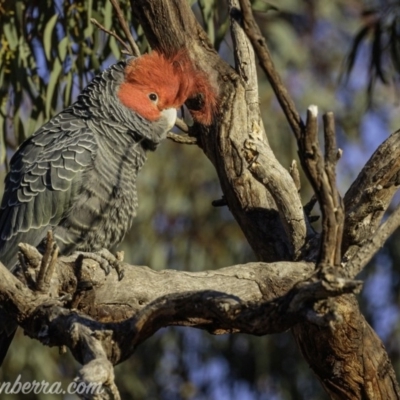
<point x="372" y="245"/>
<point x="370" y="195"/>
<point x="114" y="316"/>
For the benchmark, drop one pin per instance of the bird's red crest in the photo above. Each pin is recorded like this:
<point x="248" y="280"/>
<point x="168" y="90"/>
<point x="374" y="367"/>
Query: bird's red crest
<point x="174" y="79"/>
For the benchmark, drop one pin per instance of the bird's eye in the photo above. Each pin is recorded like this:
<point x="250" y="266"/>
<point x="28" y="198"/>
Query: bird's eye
<point x="153" y="97"/>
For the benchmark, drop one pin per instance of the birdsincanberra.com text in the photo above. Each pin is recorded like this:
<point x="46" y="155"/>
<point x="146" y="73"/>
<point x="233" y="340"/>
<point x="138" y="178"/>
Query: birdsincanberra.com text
<point x="37" y="387"/>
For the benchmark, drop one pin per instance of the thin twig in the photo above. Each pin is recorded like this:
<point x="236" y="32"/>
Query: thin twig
<point x="260" y="47"/>
<point x="111" y="33"/>
<point x="134" y="48"/>
<point x="182" y="139"/>
<point x="310" y="205"/>
<point x="371" y="246"/>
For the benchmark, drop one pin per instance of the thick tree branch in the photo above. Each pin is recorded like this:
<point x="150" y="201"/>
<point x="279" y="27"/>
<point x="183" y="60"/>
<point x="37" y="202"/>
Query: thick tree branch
<point x="277" y="180"/>
<point x="267" y="169"/>
<point x="141" y="305"/>
<point x="253" y="206"/>
<point x="343" y="374"/>
<point x="350" y="361"/>
<point x="370" y="195"/>
<point x="372" y="245"/>
<point x="321" y="174"/>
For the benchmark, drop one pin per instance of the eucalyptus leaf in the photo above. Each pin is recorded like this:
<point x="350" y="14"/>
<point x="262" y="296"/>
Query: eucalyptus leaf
<point x="108" y="13"/>
<point x="68" y="89"/>
<point x="263" y="6"/>
<point x="48" y="35"/>
<point x="116" y="51"/>
<point x="53" y="83"/>
<point x="63" y="48"/>
<point x="11" y="35"/>
<point x="3" y="150"/>
<point x="207" y="12"/>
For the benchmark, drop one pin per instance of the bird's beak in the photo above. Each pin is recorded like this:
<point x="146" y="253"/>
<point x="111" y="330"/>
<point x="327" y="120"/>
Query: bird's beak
<point x="170" y="115"/>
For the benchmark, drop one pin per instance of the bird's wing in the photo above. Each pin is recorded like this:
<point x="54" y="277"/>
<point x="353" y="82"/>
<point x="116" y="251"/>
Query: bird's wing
<point x="45" y="174"/>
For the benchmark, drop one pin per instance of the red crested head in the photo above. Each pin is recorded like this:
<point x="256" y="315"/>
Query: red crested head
<point x="154" y="82"/>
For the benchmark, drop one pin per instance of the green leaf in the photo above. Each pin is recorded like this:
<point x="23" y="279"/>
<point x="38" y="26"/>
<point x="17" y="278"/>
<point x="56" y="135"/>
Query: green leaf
<point x="95" y="62"/>
<point x="394" y="46"/>
<point x="108" y="15"/>
<point x="221" y="32"/>
<point x="88" y="32"/>
<point x="68" y="89"/>
<point x="3" y="134"/>
<point x="376" y="55"/>
<point x="207" y="12"/>
<point x="54" y="78"/>
<point x="89" y="8"/>
<point x="11" y="35"/>
<point x="114" y="48"/>
<point x="263" y="6"/>
<point x="35" y="121"/>
<point x="19" y="131"/>
<point x="20" y="8"/>
<point x="361" y="35"/>
<point x="48" y="34"/>
<point x="62" y="48"/>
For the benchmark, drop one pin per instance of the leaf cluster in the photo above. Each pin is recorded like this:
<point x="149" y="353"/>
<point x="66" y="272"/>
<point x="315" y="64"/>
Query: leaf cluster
<point x="382" y="26"/>
<point x="48" y="52"/>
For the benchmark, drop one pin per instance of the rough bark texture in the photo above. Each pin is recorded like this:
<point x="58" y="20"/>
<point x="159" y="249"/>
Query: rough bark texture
<point x="133" y="308"/>
<point x="170" y="25"/>
<point x="254" y="209"/>
<point x="350" y="361"/>
<point x="370" y="194"/>
<point x="103" y="320"/>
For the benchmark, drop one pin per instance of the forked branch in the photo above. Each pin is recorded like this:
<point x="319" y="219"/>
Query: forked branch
<point x="372" y="245"/>
<point x="252" y="30"/>
<point x="322" y="176"/>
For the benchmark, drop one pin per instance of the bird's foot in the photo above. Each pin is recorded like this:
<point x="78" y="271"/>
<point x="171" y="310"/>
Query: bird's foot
<point x="106" y="260"/>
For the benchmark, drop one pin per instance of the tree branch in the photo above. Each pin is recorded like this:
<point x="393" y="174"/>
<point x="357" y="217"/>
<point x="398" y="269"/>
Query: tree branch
<point x="140" y="307"/>
<point x="134" y="49"/>
<point x="370" y="195"/>
<point x="277" y="180"/>
<point x="112" y="33"/>
<point x="257" y="152"/>
<point x="350" y="362"/>
<point x="182" y="139"/>
<point x="372" y="245"/>
<point x="253" y="206"/>
<point x="322" y="176"/>
<point x="260" y="46"/>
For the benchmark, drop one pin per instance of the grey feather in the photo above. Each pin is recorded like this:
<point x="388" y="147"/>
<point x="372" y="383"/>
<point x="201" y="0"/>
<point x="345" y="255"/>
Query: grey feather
<point x="77" y="175"/>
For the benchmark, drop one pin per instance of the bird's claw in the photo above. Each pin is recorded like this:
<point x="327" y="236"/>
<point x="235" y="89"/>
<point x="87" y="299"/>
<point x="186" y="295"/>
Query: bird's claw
<point x="106" y="260"/>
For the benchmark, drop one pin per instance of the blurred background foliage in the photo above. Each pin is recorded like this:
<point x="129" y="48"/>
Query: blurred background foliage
<point x="329" y="53"/>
